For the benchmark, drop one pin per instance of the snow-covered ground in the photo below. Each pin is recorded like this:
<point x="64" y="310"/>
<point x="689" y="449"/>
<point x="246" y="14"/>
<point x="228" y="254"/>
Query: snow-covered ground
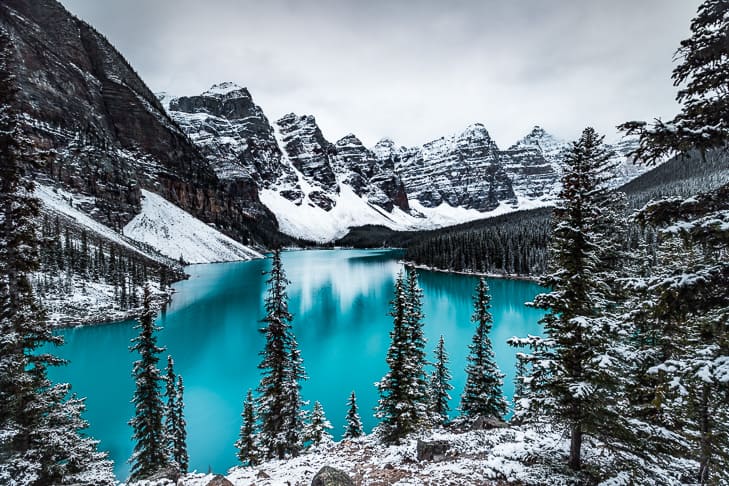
<point x="175" y="233"/>
<point x="313" y="223"/>
<point x="68" y="204"/>
<point x="513" y="455"/>
<point x="76" y="302"/>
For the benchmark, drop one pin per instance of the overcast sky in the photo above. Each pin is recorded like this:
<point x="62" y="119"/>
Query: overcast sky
<point x="413" y="70"/>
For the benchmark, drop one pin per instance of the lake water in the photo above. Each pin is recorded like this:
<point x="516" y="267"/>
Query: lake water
<point x="340" y="300"/>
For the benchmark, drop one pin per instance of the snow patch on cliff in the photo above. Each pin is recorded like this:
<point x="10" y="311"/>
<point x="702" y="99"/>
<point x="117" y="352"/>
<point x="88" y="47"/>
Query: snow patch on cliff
<point x="313" y="223"/>
<point x="175" y="233"/>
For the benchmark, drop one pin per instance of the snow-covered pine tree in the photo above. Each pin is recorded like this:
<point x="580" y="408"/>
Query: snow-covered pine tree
<point x="170" y="399"/>
<point x="400" y="396"/>
<point x="40" y="440"/>
<point x="294" y="411"/>
<point x="440" y="384"/>
<point x="353" y="428"/>
<point x="179" y="435"/>
<point x="317" y="430"/>
<point x="279" y="402"/>
<point x="697" y="294"/>
<point x="150" y="444"/>
<point x="482" y="394"/>
<point x="416" y="348"/>
<point x="702" y="74"/>
<point x="690" y="297"/>
<point x="574" y="372"/>
<point x="247" y="443"/>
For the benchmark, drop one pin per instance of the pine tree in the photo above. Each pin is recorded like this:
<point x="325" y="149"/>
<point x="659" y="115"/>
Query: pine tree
<point x="179" y="435"/>
<point x="40" y="440"/>
<point x="482" y="394"/>
<point x="318" y="428"/>
<point x="279" y="402"/>
<point x="702" y="74"/>
<point x="247" y="444"/>
<point x="175" y="425"/>
<point x="575" y="375"/>
<point x="400" y="395"/>
<point x="150" y="444"/>
<point x="170" y="399"/>
<point x="353" y="429"/>
<point x="689" y="375"/>
<point x="440" y="384"/>
<point x="416" y="348"/>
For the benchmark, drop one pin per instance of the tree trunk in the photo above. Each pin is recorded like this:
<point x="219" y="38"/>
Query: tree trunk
<point x="576" y="447"/>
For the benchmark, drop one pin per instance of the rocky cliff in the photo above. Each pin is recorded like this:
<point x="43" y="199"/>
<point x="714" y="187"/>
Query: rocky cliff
<point x="102" y="133"/>
<point x="463" y="170"/>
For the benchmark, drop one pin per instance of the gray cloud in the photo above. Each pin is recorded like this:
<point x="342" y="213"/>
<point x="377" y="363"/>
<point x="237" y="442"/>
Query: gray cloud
<point x="413" y="70"/>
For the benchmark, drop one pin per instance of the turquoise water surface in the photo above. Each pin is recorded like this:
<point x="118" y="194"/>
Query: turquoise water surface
<point x="340" y="300"/>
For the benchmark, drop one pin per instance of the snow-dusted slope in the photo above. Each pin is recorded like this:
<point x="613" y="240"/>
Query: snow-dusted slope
<point x="68" y="204"/>
<point x="313" y="223"/>
<point x="175" y="233"/>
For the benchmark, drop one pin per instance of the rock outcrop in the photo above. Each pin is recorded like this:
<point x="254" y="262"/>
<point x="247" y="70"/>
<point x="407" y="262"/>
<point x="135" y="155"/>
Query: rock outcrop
<point x="232" y="132"/>
<point x="101" y="132"/>
<point x="462" y="170"/>
<point x="370" y="177"/>
<point x="533" y="163"/>
<point x="329" y="476"/>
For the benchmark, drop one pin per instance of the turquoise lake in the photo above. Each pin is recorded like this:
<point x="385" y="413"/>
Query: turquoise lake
<point x="340" y="300"/>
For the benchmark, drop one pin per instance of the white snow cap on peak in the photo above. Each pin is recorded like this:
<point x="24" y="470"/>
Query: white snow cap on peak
<point x="223" y="88"/>
<point x="477" y="129"/>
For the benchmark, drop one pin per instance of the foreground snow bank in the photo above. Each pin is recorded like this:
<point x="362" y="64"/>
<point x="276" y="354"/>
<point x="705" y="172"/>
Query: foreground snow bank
<point x="515" y="455"/>
<point x="176" y="233"/>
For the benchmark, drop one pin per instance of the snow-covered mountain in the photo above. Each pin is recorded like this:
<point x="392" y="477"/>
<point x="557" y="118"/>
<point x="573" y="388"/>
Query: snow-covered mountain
<point x="462" y="170"/>
<point x="318" y="189"/>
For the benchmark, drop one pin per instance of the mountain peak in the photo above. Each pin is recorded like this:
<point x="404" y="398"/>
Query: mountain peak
<point x="349" y="139"/>
<point x="225" y="89"/>
<point x="475" y="131"/>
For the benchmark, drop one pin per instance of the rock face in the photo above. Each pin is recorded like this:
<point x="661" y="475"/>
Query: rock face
<point x="232" y="132"/>
<point x="329" y="476"/>
<point x="462" y="170"/>
<point x="308" y="150"/>
<point x="370" y="177"/>
<point x="432" y="451"/>
<point x="300" y="164"/>
<point x="532" y="164"/>
<point x="103" y="133"/>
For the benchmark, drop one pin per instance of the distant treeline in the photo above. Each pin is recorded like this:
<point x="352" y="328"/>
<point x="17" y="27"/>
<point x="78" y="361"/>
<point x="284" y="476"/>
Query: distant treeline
<point x="69" y="250"/>
<point x="516" y="243"/>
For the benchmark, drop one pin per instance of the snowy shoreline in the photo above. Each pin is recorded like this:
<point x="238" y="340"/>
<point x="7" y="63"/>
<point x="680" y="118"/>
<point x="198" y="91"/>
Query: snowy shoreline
<point x="526" y="278"/>
<point x="104" y="317"/>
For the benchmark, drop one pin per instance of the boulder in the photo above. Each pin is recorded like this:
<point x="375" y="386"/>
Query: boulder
<point x="219" y="480"/>
<point x="329" y="476"/>
<point x="171" y="472"/>
<point x="433" y="450"/>
<point x="485" y="423"/>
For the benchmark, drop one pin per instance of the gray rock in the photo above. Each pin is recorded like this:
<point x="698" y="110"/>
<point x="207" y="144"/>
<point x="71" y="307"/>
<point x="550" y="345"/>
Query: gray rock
<point x="485" y="423"/>
<point x="533" y="164"/>
<point x="308" y="150"/>
<point x="232" y="132"/>
<point x="219" y="480"/>
<point x="171" y="472"/>
<point x="329" y="476"/>
<point x="432" y="451"/>
<point x="369" y="176"/>
<point x="462" y="170"/>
